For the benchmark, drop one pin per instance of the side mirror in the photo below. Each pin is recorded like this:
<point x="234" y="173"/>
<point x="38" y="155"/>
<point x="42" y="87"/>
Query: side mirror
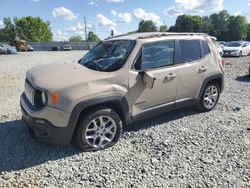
<point x="79" y="61"/>
<point x="148" y="79"/>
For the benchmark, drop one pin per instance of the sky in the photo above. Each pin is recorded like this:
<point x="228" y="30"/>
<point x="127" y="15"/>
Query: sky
<point x="102" y="16"/>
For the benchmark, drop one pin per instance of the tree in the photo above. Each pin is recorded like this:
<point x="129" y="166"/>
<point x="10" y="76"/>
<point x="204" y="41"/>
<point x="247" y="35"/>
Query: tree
<point x="76" y="38"/>
<point x="187" y="23"/>
<point x="248" y="33"/>
<point x="92" y="37"/>
<point x="147" y="26"/>
<point x="238" y="27"/>
<point x="172" y="29"/>
<point x="163" y="28"/>
<point x="220" y="24"/>
<point x="33" y="29"/>
<point x="207" y="26"/>
<point x="7" y="34"/>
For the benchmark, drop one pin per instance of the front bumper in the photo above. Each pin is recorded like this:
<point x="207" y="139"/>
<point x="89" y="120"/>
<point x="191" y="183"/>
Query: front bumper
<point x="44" y="131"/>
<point x="231" y="54"/>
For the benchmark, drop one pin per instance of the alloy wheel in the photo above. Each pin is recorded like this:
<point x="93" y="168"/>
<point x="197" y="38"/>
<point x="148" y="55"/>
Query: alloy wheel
<point x="100" y="131"/>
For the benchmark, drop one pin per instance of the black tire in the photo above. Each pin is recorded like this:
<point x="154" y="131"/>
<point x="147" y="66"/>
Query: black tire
<point x="240" y="55"/>
<point x="84" y="123"/>
<point x="201" y="105"/>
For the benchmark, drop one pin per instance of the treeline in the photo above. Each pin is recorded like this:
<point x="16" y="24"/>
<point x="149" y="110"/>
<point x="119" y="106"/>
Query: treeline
<point x="222" y="25"/>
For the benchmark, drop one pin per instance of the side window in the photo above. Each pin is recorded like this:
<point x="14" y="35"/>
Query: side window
<point x="156" y="55"/>
<point x="189" y="50"/>
<point x="204" y="48"/>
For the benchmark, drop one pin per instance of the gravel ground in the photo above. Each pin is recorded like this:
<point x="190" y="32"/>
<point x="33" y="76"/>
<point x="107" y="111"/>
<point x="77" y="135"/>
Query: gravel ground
<point x="183" y="148"/>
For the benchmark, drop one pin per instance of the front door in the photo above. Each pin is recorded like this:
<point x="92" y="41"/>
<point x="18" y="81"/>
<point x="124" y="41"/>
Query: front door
<point x="158" y="59"/>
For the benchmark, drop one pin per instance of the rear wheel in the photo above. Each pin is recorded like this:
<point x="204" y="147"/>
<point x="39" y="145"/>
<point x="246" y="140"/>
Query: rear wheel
<point x="209" y="98"/>
<point x="99" y="130"/>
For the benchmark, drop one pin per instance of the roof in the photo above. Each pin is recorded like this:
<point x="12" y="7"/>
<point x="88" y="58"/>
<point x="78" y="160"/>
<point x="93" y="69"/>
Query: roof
<point x="151" y="35"/>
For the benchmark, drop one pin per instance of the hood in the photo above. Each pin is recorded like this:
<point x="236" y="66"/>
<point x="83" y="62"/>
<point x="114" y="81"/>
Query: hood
<point x="62" y="75"/>
<point x="231" y="48"/>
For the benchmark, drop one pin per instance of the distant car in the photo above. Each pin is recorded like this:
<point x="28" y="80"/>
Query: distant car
<point x="3" y="50"/>
<point x="55" y="48"/>
<point x="220" y="47"/>
<point x="237" y="49"/>
<point x="9" y="49"/>
<point x="67" y="48"/>
<point x="30" y="48"/>
<point x="223" y="43"/>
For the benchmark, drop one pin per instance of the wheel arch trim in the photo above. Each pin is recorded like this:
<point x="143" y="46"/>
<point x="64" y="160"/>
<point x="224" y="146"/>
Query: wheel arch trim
<point x="117" y="100"/>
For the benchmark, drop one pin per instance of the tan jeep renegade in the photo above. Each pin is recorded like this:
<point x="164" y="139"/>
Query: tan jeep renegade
<point x="122" y="80"/>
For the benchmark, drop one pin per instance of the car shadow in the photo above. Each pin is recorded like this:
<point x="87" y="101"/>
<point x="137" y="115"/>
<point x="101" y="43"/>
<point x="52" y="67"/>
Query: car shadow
<point x="20" y="151"/>
<point x="245" y="78"/>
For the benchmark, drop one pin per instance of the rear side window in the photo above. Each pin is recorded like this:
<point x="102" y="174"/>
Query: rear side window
<point x="204" y="48"/>
<point x="156" y="55"/>
<point x="189" y="50"/>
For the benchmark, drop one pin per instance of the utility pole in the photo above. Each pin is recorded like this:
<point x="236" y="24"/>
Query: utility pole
<point x="86" y="34"/>
<point x="85" y="28"/>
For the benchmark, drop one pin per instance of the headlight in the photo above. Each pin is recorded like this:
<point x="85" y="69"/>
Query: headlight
<point x="44" y="98"/>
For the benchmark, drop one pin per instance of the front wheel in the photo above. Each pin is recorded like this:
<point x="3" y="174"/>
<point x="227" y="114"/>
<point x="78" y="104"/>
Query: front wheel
<point x="209" y="98"/>
<point x="99" y="130"/>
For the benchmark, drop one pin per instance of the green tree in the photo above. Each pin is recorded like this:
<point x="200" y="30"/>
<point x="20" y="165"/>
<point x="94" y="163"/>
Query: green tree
<point x="76" y="38"/>
<point x="187" y="23"/>
<point x="207" y="26"/>
<point x="7" y="34"/>
<point x="147" y="26"/>
<point x="33" y="29"/>
<point x="238" y="28"/>
<point x="172" y="29"/>
<point x="220" y="24"/>
<point x="163" y="28"/>
<point x="248" y="33"/>
<point x="92" y="37"/>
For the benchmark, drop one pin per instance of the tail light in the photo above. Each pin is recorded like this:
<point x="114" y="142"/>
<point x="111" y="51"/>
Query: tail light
<point x="222" y="62"/>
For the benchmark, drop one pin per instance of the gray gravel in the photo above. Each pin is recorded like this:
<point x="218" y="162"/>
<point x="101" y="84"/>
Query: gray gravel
<point x="184" y="148"/>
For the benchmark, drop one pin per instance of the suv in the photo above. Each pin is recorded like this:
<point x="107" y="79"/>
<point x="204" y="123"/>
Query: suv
<point x="122" y="80"/>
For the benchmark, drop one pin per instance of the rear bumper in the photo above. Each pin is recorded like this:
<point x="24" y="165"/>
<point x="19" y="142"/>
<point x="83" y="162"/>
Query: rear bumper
<point x="46" y="132"/>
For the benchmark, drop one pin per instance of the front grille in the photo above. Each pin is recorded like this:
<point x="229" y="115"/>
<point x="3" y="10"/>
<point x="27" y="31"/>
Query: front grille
<point x="34" y="96"/>
<point x="30" y="93"/>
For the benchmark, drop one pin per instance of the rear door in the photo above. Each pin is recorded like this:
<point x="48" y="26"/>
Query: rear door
<point x="192" y="67"/>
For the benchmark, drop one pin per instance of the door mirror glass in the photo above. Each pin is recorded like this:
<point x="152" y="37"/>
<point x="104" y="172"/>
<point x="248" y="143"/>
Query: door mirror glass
<point x="148" y="80"/>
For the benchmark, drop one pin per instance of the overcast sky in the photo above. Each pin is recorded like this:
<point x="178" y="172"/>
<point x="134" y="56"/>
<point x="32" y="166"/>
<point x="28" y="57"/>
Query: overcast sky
<point x="66" y="16"/>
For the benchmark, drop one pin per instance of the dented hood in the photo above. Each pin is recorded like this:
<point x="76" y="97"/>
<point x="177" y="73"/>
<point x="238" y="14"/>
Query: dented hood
<point x="61" y="75"/>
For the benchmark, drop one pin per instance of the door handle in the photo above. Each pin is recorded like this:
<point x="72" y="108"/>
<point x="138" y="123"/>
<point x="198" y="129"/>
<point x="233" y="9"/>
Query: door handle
<point x="202" y="69"/>
<point x="171" y="76"/>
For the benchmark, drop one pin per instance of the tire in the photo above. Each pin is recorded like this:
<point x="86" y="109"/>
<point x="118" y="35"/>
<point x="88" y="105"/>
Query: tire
<point x="92" y="135"/>
<point x="240" y="54"/>
<point x="209" y="98"/>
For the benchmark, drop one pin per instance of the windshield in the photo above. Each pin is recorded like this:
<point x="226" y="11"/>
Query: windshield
<point x="108" y="56"/>
<point x="234" y="44"/>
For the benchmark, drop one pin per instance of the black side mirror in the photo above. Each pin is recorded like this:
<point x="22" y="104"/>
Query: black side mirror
<point x="79" y="61"/>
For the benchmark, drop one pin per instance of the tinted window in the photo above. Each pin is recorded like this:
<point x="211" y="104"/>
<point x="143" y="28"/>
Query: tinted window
<point x="189" y="50"/>
<point x="157" y="55"/>
<point x="204" y="48"/>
